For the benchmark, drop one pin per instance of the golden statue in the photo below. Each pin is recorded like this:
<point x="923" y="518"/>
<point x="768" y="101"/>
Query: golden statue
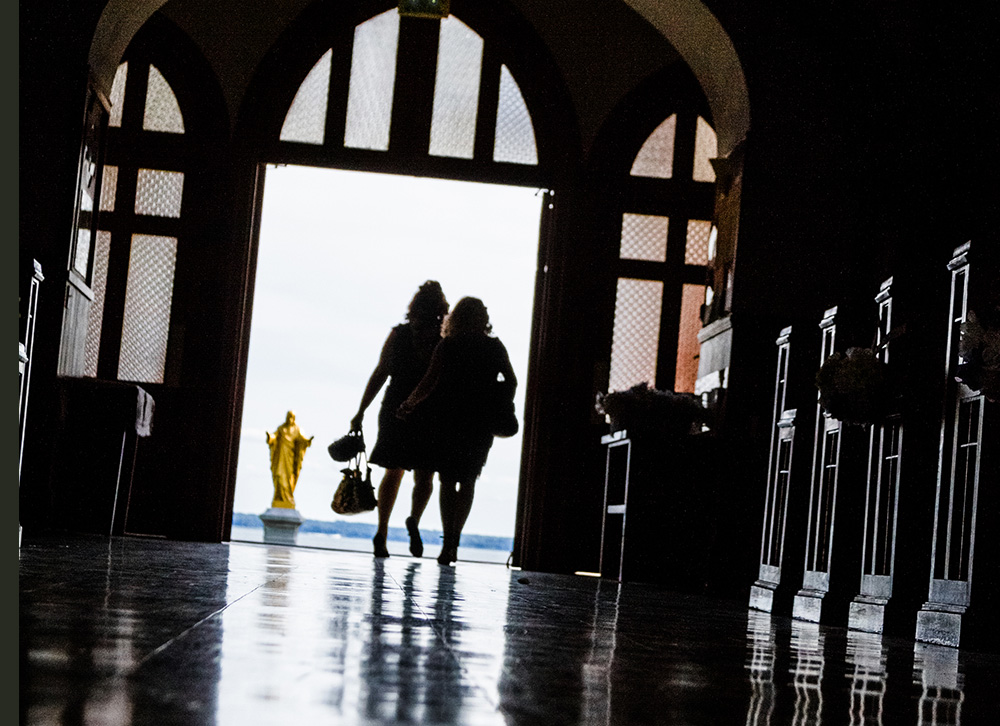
<point x="288" y="447"/>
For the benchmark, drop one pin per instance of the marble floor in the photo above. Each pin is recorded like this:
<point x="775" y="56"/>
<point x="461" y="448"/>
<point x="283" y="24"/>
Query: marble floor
<point x="142" y="631"/>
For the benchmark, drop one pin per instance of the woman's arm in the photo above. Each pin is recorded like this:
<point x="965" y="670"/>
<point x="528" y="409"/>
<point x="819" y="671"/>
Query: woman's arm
<point x="378" y="378"/>
<point x="426" y="385"/>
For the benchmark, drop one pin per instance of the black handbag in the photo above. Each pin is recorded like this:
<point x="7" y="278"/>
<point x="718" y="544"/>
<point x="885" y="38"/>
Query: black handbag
<point x="347" y="447"/>
<point x="355" y="493"/>
<point x="503" y="414"/>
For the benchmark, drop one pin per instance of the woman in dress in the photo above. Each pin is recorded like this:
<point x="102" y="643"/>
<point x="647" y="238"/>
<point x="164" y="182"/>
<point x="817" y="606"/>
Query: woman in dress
<point x="401" y="446"/>
<point x="451" y="400"/>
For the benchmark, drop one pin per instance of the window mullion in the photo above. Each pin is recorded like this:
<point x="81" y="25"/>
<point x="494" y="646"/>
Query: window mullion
<point x="687" y="126"/>
<point x="413" y="93"/>
<point x="114" y="299"/>
<point x="489" y="96"/>
<point x="340" y="82"/>
<point x="666" y="359"/>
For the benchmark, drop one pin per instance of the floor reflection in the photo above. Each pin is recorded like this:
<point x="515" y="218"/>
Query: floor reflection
<point x="866" y="668"/>
<point x="936" y="671"/>
<point x="807" y="646"/>
<point x="193" y="634"/>
<point x="600" y="661"/>
<point x="761" y="654"/>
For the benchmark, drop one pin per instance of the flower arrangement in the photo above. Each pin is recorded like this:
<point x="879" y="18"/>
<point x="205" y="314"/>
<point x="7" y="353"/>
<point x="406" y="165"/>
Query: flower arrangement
<point x="979" y="355"/>
<point x="854" y="386"/>
<point x="645" y="410"/>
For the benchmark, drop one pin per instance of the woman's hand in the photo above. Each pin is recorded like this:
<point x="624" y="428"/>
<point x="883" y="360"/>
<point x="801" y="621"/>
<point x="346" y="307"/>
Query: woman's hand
<point x="405" y="409"/>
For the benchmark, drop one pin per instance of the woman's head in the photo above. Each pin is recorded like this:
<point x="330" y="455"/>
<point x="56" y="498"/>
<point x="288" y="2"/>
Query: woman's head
<point x="428" y="305"/>
<point x="468" y="317"/>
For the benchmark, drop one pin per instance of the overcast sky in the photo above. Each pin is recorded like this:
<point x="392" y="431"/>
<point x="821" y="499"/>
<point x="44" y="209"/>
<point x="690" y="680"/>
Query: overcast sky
<point x="341" y="255"/>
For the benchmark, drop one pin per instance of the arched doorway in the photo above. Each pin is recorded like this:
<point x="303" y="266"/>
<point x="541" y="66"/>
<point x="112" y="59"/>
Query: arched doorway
<point x="256" y="139"/>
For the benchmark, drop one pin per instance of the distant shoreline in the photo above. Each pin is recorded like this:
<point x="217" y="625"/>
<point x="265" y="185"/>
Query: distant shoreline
<point x="367" y="531"/>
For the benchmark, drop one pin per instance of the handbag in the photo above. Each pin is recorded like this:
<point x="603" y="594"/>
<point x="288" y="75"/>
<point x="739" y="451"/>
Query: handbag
<point x="502" y="412"/>
<point x="347" y="447"/>
<point x="355" y="493"/>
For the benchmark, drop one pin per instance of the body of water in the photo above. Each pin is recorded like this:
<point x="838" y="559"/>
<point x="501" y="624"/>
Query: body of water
<point x="321" y="540"/>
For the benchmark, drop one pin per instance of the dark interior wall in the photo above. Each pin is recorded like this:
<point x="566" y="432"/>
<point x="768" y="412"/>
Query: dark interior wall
<point x="54" y="41"/>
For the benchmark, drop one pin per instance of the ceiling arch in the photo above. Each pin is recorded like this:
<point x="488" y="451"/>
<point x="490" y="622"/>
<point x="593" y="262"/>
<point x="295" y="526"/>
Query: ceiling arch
<point x="706" y="48"/>
<point x="687" y="24"/>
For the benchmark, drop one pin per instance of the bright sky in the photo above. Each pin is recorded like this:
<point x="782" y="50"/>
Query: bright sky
<point x="341" y="255"/>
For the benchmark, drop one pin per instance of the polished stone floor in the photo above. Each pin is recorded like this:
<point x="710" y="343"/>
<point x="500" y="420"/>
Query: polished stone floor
<point x="141" y="631"/>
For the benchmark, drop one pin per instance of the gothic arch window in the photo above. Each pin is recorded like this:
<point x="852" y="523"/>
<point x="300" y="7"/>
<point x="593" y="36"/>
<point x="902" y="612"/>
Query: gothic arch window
<point x="665" y="244"/>
<point x="428" y="96"/>
<point x="141" y="212"/>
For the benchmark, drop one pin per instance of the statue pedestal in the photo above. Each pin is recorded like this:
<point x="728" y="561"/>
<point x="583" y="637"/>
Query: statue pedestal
<point x="281" y="526"/>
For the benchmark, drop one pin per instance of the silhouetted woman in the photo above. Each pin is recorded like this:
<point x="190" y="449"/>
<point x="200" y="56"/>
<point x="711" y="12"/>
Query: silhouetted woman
<point x="402" y="445"/>
<point x="451" y="398"/>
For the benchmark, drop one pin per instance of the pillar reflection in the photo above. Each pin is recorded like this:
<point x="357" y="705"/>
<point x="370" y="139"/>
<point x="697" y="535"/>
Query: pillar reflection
<point x="599" y="662"/>
<point x="274" y="596"/>
<point x="866" y="669"/>
<point x="808" y="650"/>
<point x="761" y="655"/>
<point x="936" y="671"/>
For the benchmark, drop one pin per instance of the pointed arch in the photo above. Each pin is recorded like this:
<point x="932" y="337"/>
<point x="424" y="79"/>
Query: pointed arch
<point x="708" y="51"/>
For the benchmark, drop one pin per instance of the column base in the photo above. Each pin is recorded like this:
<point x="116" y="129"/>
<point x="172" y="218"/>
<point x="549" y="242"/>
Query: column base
<point x="867" y="615"/>
<point x="761" y="597"/>
<point x="940" y="624"/>
<point x="808" y="606"/>
<point x="281" y="526"/>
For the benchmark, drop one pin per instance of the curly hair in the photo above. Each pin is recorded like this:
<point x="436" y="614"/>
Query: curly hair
<point x="468" y="317"/>
<point x="428" y="304"/>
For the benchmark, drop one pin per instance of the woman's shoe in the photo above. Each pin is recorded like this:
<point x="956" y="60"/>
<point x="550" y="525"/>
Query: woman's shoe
<point x="378" y="541"/>
<point x="416" y="544"/>
<point x="449" y="554"/>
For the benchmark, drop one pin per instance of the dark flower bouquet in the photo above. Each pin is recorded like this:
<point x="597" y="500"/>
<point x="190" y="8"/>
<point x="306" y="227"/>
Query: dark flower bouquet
<point x="854" y="386"/>
<point x="979" y="356"/>
<point x="642" y="409"/>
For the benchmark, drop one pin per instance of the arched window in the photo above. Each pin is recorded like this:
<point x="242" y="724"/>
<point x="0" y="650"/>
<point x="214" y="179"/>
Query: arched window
<point x="666" y="242"/>
<point x="465" y="104"/>
<point x="139" y="228"/>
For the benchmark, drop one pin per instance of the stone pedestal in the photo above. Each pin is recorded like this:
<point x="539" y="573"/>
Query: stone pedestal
<point x="762" y="596"/>
<point x="867" y="614"/>
<point x="281" y="526"/>
<point x="808" y="605"/>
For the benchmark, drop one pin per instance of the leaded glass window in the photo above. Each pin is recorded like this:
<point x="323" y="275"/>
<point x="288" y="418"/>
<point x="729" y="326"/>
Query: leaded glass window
<point x="162" y="111"/>
<point x="644" y="237"/>
<point x="705" y="149"/>
<point x="117" y="98"/>
<point x="636" y="334"/>
<point x="305" y="121"/>
<point x="456" y="90"/>
<point x="159" y="193"/>
<point x="373" y="78"/>
<point x="656" y="157"/>
<point x="515" y="136"/>
<point x="148" y="294"/>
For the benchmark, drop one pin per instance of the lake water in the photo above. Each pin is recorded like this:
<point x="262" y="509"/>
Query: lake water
<point x="320" y="540"/>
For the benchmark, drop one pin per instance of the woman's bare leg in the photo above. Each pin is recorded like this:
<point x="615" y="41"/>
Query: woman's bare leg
<point x="423" y="487"/>
<point x="463" y="505"/>
<point x="387" y="491"/>
<point x="456" y="503"/>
